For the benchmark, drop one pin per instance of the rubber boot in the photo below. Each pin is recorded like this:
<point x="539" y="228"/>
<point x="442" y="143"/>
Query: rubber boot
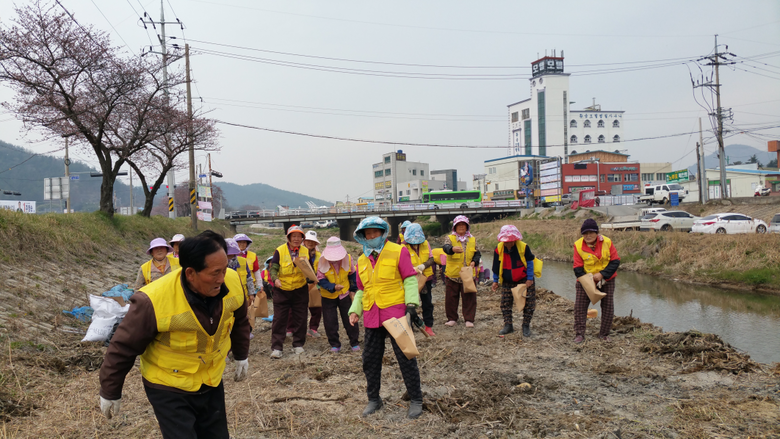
<point x="372" y="407"/>
<point x="526" y="330"/>
<point x="508" y="328"/>
<point x="415" y="410"/>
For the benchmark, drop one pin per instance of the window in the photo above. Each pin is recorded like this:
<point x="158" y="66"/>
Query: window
<point x="615" y="123"/>
<point x="613" y="178"/>
<point x="387" y="159"/>
<point x="660" y="176"/>
<point x="378" y="174"/>
<point x="587" y="138"/>
<point x="387" y="172"/>
<point x="573" y="124"/>
<point x="601" y="178"/>
<point x="422" y="172"/>
<point x="601" y="138"/>
<point x="632" y="177"/>
<point x="414" y="172"/>
<point x="496" y="187"/>
<point x="408" y="192"/>
<point x="616" y="138"/>
<point x="600" y="124"/>
<point x="586" y="124"/>
<point x="573" y="140"/>
<point x="515" y="117"/>
<point x="526" y="113"/>
<point x="400" y="193"/>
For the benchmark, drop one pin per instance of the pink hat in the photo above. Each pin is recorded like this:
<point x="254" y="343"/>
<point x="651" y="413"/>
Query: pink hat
<point x="334" y="251"/>
<point x="461" y="219"/>
<point x="509" y="233"/>
<point x="158" y="242"/>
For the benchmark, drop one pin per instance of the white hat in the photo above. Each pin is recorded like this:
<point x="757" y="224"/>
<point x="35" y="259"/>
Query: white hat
<point x="311" y="235"/>
<point x="176" y="238"/>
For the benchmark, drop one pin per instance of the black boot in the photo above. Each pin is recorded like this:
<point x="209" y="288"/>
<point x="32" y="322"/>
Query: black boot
<point x="373" y="406"/>
<point x="415" y="410"/>
<point x="526" y="330"/>
<point x="507" y="329"/>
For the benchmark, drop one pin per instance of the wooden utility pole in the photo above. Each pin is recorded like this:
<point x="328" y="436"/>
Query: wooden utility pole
<point x="193" y="188"/>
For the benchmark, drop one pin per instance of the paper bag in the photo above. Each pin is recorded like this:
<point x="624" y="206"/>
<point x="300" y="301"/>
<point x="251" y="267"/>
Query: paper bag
<point x="467" y="276"/>
<point x="590" y="288"/>
<point x="519" y="294"/>
<point x="305" y="267"/>
<point x="421" y="279"/>
<point x="593" y="313"/>
<point x="403" y="336"/>
<point x="261" y="305"/>
<point x="315" y="298"/>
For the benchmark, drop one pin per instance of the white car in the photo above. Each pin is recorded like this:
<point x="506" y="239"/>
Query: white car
<point x="667" y="221"/>
<point x="729" y="223"/>
<point x="774" y="225"/>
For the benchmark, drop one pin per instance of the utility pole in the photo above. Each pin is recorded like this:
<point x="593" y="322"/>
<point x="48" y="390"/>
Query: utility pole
<point x="704" y="186"/>
<point x="67" y="175"/>
<point x="193" y="188"/>
<point x="719" y="116"/>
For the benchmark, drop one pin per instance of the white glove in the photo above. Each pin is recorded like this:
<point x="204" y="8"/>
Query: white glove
<point x="420" y="268"/>
<point x="106" y="406"/>
<point x="242" y="366"/>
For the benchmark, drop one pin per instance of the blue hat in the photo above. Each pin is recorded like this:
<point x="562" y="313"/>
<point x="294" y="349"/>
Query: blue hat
<point x="414" y="234"/>
<point x="406" y="224"/>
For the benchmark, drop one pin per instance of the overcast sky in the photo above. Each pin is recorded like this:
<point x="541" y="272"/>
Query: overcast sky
<point x="596" y="36"/>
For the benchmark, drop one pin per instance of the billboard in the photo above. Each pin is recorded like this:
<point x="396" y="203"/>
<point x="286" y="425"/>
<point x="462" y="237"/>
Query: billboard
<point x="677" y="176"/>
<point x="19" y="206"/>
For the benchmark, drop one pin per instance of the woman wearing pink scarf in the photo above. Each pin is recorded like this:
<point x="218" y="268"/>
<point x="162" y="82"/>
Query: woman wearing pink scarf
<point x="336" y="275"/>
<point x="461" y="250"/>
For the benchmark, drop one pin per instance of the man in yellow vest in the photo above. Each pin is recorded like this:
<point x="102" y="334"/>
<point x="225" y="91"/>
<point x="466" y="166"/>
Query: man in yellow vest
<point x="183" y="325"/>
<point x="513" y="264"/>
<point x="161" y="263"/>
<point x="387" y="288"/>
<point x="461" y="250"/>
<point x="595" y="254"/>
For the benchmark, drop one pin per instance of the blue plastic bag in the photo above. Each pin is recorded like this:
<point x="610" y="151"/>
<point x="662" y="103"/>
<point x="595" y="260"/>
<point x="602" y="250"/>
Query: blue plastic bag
<point x="120" y="290"/>
<point x="83" y="313"/>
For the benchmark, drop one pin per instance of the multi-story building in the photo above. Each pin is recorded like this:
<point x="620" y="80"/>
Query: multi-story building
<point x="654" y="172"/>
<point x="394" y="176"/>
<point x="503" y="178"/>
<point x="611" y="177"/>
<point x="450" y="178"/>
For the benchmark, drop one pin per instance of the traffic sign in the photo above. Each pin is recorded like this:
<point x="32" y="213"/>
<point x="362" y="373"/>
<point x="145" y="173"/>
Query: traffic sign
<point x="74" y="177"/>
<point x="202" y="176"/>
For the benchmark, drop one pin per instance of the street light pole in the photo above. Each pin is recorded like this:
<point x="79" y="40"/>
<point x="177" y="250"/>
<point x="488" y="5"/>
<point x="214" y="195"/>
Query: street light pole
<point x="67" y="175"/>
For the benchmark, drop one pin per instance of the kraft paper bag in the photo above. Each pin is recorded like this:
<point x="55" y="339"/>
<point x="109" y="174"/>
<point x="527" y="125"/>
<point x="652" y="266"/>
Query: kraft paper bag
<point x="305" y="267"/>
<point x="315" y="298"/>
<point x="519" y="294"/>
<point x="467" y="276"/>
<point x="403" y="335"/>
<point x="261" y="305"/>
<point x="421" y="279"/>
<point x="590" y="288"/>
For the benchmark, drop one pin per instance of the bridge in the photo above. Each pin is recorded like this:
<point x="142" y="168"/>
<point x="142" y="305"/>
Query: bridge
<point x="348" y="218"/>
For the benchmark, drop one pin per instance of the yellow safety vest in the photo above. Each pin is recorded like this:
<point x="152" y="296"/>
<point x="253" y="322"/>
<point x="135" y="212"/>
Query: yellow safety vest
<point x="342" y="278"/>
<point x="593" y="263"/>
<point x="251" y="257"/>
<point x="382" y="284"/>
<point x="456" y="260"/>
<point x="422" y="257"/>
<point x="242" y="262"/>
<point x="437" y="252"/>
<point x="401" y="237"/>
<point x="521" y="249"/>
<point x="291" y="276"/>
<point x="183" y="355"/>
<point x="146" y="268"/>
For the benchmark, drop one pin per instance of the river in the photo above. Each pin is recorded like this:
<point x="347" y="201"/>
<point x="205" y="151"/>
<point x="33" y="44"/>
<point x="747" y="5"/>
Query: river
<point x="749" y="322"/>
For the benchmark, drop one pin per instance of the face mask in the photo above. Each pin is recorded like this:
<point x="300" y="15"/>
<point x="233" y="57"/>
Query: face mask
<point x="374" y="243"/>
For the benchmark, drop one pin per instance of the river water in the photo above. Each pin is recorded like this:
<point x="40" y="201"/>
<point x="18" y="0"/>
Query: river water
<point x="749" y="322"/>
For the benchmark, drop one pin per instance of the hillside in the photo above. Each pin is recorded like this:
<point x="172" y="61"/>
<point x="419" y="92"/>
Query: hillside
<point x="264" y="196"/>
<point x="735" y="153"/>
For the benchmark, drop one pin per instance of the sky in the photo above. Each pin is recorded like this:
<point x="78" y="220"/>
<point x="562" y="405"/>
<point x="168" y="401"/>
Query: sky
<point x="438" y="73"/>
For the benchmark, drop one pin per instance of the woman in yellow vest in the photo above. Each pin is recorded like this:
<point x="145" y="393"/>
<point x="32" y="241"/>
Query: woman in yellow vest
<point x="241" y="266"/>
<point x="422" y="259"/>
<point x="244" y="242"/>
<point x="336" y="274"/>
<point x="402" y="231"/>
<point x="461" y="251"/>
<point x="513" y="264"/>
<point x="290" y="292"/>
<point x="161" y="263"/>
<point x="174" y="243"/>
<point x="387" y="288"/>
<point x="595" y="254"/>
<point x="311" y="242"/>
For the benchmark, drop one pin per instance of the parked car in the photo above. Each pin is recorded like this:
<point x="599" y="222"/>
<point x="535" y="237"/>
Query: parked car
<point x="566" y="199"/>
<point x="321" y="224"/>
<point x="667" y="221"/>
<point x="762" y="192"/>
<point x="729" y="223"/>
<point x="661" y="193"/>
<point x="774" y="225"/>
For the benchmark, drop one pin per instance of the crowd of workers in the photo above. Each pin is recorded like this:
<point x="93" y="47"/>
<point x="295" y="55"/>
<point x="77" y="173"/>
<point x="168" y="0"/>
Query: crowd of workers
<point x="197" y="298"/>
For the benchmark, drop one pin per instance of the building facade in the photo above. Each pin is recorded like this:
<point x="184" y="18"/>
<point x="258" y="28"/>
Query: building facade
<point x="612" y="178"/>
<point x="394" y="175"/>
<point x="654" y="172"/>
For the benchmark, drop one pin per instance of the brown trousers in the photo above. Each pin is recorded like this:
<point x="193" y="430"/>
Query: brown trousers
<point x="452" y="294"/>
<point x="289" y="305"/>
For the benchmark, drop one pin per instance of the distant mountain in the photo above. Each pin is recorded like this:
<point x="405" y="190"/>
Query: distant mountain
<point x="735" y="153"/>
<point x="264" y="196"/>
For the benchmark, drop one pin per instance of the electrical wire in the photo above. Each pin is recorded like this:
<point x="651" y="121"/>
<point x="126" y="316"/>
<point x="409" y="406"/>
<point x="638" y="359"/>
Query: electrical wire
<point x="30" y="158"/>
<point x="112" y="25"/>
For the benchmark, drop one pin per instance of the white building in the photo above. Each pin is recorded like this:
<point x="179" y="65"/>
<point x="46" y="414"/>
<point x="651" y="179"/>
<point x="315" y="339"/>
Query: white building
<point x="543" y="125"/>
<point x="394" y="177"/>
<point x="450" y="178"/>
<point x="654" y="172"/>
<point x="741" y="180"/>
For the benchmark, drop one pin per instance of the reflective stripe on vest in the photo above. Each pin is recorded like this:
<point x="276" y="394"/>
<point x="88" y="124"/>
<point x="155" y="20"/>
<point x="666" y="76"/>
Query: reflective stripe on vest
<point x="456" y="260"/>
<point x="422" y="257"/>
<point x="292" y="278"/>
<point x="183" y="355"/>
<point x="591" y="262"/>
<point x="382" y="283"/>
<point x="342" y="278"/>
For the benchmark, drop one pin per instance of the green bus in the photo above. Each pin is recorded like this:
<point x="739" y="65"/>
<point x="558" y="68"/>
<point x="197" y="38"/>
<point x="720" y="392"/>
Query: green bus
<point x="452" y="197"/>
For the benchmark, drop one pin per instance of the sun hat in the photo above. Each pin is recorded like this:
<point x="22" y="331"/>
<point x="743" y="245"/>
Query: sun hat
<point x="158" y="242"/>
<point x="414" y="234"/>
<point x="371" y="222"/>
<point x="176" y="238"/>
<point x="311" y="235"/>
<point x="232" y="246"/>
<point x="406" y="224"/>
<point x="509" y="233"/>
<point x="589" y="226"/>
<point x="242" y="237"/>
<point x="334" y="250"/>
<point x="293" y="229"/>
<point x="461" y="219"/>
<point x="268" y="262"/>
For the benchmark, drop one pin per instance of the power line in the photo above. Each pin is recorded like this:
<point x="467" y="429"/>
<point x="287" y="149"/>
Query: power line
<point x="112" y="26"/>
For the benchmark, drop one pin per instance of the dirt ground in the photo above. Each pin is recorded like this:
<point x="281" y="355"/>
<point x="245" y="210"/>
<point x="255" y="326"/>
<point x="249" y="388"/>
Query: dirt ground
<point x="643" y="384"/>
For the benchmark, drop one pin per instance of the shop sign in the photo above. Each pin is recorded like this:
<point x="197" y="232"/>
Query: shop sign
<point x="677" y="176"/>
<point x="624" y="168"/>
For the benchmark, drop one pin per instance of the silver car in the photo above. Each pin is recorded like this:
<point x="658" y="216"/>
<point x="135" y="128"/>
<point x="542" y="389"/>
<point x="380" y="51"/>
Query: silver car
<point x="774" y="225"/>
<point x="668" y="221"/>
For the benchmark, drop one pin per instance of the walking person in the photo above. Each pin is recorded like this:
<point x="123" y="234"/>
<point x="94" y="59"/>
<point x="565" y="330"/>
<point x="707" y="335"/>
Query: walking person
<point x="513" y="264"/>
<point x="596" y="254"/>
<point x="161" y="263"/>
<point x="422" y="259"/>
<point x="183" y="358"/>
<point x="387" y="288"/>
<point x="311" y="242"/>
<point x="461" y="251"/>
<point x="290" y="292"/>
<point x="241" y="266"/>
<point x="337" y="280"/>
<point x="253" y="263"/>
<point x="174" y="243"/>
<point x="402" y="231"/>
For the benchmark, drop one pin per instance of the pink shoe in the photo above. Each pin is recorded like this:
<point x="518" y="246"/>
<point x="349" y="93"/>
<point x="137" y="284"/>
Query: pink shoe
<point x="450" y="323"/>
<point x="469" y="324"/>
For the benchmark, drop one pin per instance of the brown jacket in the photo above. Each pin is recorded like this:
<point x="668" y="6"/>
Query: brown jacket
<point x="139" y="328"/>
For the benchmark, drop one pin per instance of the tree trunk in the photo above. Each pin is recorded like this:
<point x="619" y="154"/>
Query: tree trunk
<point x="107" y="188"/>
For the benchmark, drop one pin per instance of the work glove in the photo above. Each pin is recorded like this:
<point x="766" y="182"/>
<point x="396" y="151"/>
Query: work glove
<point x="106" y="407"/>
<point x="420" y="268"/>
<point x="412" y="311"/>
<point x="242" y="366"/>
